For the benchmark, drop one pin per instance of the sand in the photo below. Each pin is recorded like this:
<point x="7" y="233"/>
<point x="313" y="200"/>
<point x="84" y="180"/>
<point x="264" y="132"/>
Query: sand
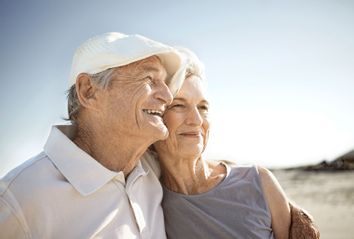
<point x="328" y="196"/>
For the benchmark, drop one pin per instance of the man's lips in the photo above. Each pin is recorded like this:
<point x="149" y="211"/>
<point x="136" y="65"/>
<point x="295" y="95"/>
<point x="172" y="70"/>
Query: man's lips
<point x="153" y="112"/>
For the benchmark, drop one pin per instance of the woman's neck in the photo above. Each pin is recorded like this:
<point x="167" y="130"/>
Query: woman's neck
<point x="191" y="176"/>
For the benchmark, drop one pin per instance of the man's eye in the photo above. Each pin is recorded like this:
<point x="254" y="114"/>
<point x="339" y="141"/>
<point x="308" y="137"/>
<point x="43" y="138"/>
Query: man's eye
<point x="149" y="80"/>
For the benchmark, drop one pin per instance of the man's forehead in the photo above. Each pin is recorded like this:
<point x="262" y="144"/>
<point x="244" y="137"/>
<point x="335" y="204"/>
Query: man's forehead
<point x="150" y="61"/>
<point x="150" y="64"/>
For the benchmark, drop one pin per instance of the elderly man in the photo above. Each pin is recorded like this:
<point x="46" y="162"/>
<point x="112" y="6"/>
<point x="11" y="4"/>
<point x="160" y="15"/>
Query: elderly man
<point x="88" y="182"/>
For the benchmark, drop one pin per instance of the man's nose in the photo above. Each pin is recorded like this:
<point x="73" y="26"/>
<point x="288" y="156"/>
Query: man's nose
<point x="164" y="94"/>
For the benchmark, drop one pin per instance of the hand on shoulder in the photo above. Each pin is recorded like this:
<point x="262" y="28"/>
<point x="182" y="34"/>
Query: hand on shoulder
<point x="302" y="224"/>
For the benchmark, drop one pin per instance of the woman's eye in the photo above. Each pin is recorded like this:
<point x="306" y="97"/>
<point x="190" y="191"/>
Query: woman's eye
<point x="177" y="106"/>
<point x="204" y="108"/>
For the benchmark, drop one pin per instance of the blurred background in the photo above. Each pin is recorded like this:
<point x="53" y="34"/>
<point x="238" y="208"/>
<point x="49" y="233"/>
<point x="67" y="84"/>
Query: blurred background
<point x="280" y="73"/>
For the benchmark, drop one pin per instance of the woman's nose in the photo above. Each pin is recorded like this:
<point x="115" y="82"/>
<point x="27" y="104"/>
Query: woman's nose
<point x="194" y="117"/>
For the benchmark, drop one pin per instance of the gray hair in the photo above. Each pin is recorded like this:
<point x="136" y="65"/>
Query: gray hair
<point x="101" y="79"/>
<point x="193" y="65"/>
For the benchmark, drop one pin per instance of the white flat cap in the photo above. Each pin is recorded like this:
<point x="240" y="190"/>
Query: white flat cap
<point x="115" y="49"/>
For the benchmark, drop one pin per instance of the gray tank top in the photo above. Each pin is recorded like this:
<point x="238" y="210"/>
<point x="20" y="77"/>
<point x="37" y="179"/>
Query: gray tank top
<point x="235" y="208"/>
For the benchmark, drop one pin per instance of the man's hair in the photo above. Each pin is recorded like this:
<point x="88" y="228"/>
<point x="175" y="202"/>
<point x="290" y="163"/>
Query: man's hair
<point x="101" y="79"/>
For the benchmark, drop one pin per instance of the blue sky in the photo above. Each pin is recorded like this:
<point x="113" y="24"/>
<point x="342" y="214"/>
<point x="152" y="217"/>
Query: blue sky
<point x="280" y="73"/>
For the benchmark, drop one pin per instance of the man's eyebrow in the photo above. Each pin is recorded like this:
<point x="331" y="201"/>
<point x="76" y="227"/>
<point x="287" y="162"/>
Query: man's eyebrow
<point x="152" y="68"/>
<point x="159" y="72"/>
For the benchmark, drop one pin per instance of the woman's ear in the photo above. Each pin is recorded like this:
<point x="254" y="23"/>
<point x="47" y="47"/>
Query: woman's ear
<point x="86" y="91"/>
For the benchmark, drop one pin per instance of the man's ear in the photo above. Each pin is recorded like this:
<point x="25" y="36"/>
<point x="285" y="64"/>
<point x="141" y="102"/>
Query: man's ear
<point x="86" y="91"/>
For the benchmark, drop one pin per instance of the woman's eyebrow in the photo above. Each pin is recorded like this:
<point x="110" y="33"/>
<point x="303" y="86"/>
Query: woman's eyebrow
<point x="205" y="102"/>
<point x="179" y="98"/>
<point x="184" y="100"/>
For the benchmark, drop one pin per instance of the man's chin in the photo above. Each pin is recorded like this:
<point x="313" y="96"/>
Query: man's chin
<point x="160" y="131"/>
<point x="164" y="133"/>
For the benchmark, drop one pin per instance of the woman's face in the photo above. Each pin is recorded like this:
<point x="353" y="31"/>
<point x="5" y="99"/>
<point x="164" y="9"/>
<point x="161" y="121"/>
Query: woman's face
<point x="187" y="121"/>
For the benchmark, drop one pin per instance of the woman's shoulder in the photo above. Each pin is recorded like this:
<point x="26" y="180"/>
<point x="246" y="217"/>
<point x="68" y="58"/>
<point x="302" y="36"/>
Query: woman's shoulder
<point x="266" y="176"/>
<point x="235" y="168"/>
<point x="277" y="202"/>
<point x="240" y="174"/>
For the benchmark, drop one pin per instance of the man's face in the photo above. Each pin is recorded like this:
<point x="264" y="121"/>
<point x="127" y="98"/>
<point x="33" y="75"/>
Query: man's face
<point x="135" y="100"/>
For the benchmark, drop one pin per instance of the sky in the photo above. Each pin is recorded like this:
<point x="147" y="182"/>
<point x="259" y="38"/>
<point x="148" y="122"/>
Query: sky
<point x="280" y="74"/>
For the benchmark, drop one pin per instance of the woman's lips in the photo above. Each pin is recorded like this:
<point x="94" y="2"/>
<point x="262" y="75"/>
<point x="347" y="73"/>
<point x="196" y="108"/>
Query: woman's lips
<point x="191" y="134"/>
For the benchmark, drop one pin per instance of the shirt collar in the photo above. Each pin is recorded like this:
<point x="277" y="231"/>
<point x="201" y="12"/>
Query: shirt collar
<point x="141" y="169"/>
<point x="79" y="168"/>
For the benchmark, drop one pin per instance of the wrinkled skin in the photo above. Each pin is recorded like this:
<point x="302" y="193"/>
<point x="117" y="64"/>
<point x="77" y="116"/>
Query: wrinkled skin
<point x="302" y="224"/>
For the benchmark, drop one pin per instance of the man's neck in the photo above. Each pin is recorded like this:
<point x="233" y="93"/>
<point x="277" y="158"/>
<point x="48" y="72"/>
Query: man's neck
<point x="116" y="154"/>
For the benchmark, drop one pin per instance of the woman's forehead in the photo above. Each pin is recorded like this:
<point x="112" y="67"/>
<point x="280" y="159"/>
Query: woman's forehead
<point x="192" y="88"/>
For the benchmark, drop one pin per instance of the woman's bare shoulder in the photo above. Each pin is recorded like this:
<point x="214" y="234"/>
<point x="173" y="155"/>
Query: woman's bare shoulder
<point x="277" y="202"/>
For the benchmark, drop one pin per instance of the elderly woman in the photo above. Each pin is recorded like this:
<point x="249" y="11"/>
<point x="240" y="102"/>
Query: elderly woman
<point x="209" y="199"/>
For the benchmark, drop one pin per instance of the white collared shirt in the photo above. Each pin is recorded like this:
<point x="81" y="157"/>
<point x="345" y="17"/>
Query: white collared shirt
<point x="64" y="193"/>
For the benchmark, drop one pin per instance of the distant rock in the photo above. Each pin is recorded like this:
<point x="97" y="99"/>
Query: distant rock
<point x="344" y="162"/>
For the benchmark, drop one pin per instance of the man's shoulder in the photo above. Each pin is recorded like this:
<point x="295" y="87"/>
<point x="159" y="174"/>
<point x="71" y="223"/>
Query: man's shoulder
<point x="32" y="170"/>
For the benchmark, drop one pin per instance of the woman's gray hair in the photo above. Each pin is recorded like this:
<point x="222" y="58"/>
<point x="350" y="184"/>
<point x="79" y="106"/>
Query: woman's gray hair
<point x="193" y="65"/>
<point x="101" y="79"/>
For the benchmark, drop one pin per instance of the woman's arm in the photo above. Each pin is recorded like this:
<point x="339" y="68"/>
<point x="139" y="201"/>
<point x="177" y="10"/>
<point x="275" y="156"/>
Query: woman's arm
<point x="277" y="202"/>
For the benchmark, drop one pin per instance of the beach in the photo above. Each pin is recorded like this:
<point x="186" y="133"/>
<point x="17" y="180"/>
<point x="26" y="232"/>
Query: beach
<point x="327" y="196"/>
